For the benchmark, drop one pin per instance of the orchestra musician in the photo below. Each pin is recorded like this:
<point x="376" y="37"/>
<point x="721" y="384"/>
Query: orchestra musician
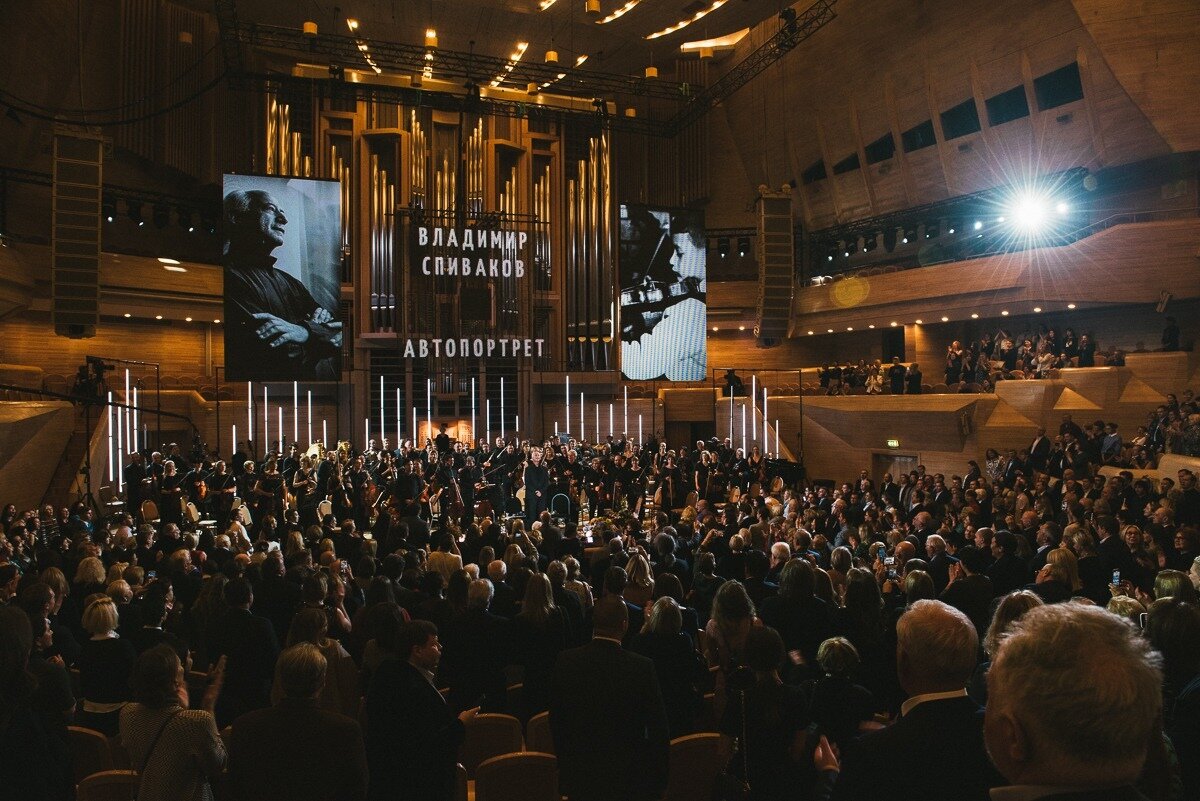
<point x="470" y="481"/>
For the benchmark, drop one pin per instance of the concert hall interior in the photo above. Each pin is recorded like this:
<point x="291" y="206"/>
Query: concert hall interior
<point x="491" y="314"/>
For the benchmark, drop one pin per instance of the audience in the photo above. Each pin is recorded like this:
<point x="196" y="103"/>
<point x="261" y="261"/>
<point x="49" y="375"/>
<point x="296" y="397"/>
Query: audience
<point x="853" y="628"/>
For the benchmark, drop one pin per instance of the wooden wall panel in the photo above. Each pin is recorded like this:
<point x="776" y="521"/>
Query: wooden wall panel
<point x="32" y="439"/>
<point x="183" y="349"/>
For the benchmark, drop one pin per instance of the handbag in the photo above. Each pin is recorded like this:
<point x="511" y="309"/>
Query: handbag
<point x="728" y="786"/>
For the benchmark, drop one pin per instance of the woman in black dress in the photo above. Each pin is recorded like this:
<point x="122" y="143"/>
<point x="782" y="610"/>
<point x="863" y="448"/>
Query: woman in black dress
<point x="269" y="491"/>
<point x="540" y="631"/>
<point x="767" y="718"/>
<point x="104" y="667"/>
<point x="676" y="662"/>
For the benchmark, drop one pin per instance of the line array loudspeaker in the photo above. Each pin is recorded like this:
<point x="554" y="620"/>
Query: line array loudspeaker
<point x="776" y="251"/>
<point x="76" y="191"/>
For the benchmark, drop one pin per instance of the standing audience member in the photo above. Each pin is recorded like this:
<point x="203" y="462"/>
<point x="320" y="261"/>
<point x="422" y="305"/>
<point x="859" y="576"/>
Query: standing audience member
<point x="935" y="657"/>
<point x="1073" y="705"/>
<point x="175" y="750"/>
<point x="324" y="760"/>
<point x="248" y="643"/>
<point x="412" y="734"/>
<point x="607" y="716"/>
<point x="104" y="667"/>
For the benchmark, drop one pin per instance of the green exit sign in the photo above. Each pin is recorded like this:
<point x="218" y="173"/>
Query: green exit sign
<point x="893" y="443"/>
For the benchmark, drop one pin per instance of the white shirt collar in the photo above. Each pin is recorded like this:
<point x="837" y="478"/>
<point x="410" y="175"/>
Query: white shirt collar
<point x="611" y="639"/>
<point x="917" y="700"/>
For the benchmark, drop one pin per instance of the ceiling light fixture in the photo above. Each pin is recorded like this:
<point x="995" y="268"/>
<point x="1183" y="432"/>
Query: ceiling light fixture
<point x="894" y="323"/>
<point x="683" y="23"/>
<point x="872" y="325"/>
<point x="187" y="319"/>
<point x="310" y="28"/>
<point x="127" y="314"/>
<point x="620" y="12"/>
<point x="551" y="56"/>
<point x="974" y="316"/>
<point x="652" y="71"/>
<point x="174" y="268"/>
<point x="545" y="4"/>
<point x="945" y="319"/>
<point x="218" y="322"/>
<point x="1004" y="313"/>
<point x="158" y="317"/>
<point x="726" y="42"/>
<point x="352" y="24"/>
<point x="1037" y="309"/>
<point x="431" y="39"/>
<point x="164" y="260"/>
<point x="810" y="333"/>
<point x="591" y="6"/>
<point x="830" y="331"/>
<point x="918" y="321"/>
<point x="1070" y="305"/>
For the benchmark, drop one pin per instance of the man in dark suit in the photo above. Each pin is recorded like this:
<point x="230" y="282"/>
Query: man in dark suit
<point x="935" y="750"/>
<point x="615" y="582"/>
<point x="1039" y="451"/>
<point x="477" y="650"/>
<point x="1051" y="745"/>
<point x="325" y="758"/>
<point x="413" y="735"/>
<point x="969" y="590"/>
<point x="1112" y="548"/>
<point x="1048" y="536"/>
<point x="1008" y="572"/>
<point x="249" y="644"/>
<point x="504" y="597"/>
<point x="607" y="717"/>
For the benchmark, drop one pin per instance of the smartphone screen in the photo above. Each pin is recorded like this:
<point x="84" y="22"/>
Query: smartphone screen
<point x="1116" y="577"/>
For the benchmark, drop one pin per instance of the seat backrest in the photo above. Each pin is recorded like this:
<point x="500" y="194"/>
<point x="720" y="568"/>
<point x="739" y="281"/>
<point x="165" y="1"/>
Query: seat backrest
<point x="537" y="734"/>
<point x="193" y="513"/>
<point x="693" y="766"/>
<point x="108" y="785"/>
<point x="489" y="735"/>
<point x="89" y="752"/>
<point x="324" y="508"/>
<point x="527" y="776"/>
<point x="149" y="511"/>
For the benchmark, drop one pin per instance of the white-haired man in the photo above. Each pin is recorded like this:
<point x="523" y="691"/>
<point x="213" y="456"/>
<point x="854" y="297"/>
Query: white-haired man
<point x="935" y="750"/>
<point x="1074" y="697"/>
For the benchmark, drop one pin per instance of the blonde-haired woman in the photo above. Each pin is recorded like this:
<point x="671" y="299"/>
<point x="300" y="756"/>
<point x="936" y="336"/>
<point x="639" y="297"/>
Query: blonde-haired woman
<point x="341" y="691"/>
<point x="105" y="663"/>
<point x="1012" y="607"/>
<point x="540" y="631"/>
<point x="639" y="591"/>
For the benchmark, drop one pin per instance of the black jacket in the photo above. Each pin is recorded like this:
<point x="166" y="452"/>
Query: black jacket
<point x="412" y="736"/>
<point x="951" y="728"/>
<point x="325" y="758"/>
<point x="609" y="724"/>
<point x="475" y="652"/>
<point x="249" y="644"/>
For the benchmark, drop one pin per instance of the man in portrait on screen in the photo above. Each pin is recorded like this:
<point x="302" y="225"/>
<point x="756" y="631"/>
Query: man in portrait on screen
<point x="275" y="328"/>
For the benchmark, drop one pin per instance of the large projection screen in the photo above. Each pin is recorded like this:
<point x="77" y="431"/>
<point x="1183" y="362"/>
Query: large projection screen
<point x="282" y="261"/>
<point x="663" y="287"/>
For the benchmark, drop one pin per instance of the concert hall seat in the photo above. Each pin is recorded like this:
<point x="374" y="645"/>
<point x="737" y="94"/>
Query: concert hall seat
<point x="693" y="766"/>
<point x="53" y="382"/>
<point x="108" y="785"/>
<point x="89" y="752"/>
<point x="940" y="389"/>
<point x="527" y="776"/>
<point x="489" y="735"/>
<point x="537" y="734"/>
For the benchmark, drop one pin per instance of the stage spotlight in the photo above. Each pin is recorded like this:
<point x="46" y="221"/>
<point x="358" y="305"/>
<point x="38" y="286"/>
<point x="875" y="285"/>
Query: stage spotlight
<point x="743" y="244"/>
<point x="108" y="208"/>
<point x="133" y="208"/>
<point x="161" y="215"/>
<point x="869" y="243"/>
<point x="1029" y="212"/>
<point x="933" y="230"/>
<point x="723" y="247"/>
<point x="910" y="235"/>
<point x="1062" y="208"/>
<point x="978" y="225"/>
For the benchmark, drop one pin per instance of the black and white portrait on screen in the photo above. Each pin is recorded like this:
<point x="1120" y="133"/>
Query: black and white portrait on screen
<point x="282" y="284"/>
<point x="663" y="287"/>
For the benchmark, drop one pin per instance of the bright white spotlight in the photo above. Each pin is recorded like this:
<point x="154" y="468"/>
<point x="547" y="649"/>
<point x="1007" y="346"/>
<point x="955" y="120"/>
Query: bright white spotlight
<point x="978" y="225"/>
<point x="1062" y="208"/>
<point x="1029" y="212"/>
